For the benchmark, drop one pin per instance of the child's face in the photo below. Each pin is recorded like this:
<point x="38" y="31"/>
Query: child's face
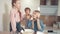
<point x="34" y="15"/>
<point x="17" y="4"/>
<point x="27" y="11"/>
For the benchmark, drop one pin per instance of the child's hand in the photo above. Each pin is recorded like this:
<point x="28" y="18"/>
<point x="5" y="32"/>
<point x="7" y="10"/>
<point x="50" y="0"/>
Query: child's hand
<point x="31" y="18"/>
<point x="28" y="17"/>
<point x="38" y="15"/>
<point x="38" y="24"/>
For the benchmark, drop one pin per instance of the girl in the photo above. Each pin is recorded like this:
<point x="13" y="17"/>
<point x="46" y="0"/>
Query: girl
<point x="15" y="16"/>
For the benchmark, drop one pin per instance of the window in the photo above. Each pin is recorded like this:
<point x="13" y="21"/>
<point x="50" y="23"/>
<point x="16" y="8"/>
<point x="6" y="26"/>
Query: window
<point x="51" y="2"/>
<point x="54" y="2"/>
<point x="42" y="2"/>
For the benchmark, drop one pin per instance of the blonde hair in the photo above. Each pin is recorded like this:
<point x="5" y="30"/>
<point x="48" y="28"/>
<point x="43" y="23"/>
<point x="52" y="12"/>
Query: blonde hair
<point x="37" y="11"/>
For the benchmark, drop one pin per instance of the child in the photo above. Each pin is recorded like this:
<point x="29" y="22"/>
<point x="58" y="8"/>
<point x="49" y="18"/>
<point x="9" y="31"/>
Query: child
<point x="15" y="17"/>
<point x="27" y="17"/>
<point x="37" y="23"/>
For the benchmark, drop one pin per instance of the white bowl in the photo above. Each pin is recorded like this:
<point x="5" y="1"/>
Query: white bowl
<point x="38" y="32"/>
<point x="27" y="31"/>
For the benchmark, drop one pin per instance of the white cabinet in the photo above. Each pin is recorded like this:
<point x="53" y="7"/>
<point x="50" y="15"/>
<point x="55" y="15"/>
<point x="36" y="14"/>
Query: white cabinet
<point x="48" y="10"/>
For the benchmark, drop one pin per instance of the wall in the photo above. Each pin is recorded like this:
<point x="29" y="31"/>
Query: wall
<point x="4" y="15"/>
<point x="1" y="12"/>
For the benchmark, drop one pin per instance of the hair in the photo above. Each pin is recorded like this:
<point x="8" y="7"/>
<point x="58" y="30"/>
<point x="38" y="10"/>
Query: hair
<point x="37" y="11"/>
<point x="19" y="14"/>
<point x="13" y="1"/>
<point x="27" y="8"/>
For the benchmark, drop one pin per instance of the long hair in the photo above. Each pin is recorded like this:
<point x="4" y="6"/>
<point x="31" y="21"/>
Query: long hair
<point x="19" y="14"/>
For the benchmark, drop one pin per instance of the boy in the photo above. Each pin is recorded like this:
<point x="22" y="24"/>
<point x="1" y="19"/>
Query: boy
<point x="37" y="23"/>
<point x="27" y="17"/>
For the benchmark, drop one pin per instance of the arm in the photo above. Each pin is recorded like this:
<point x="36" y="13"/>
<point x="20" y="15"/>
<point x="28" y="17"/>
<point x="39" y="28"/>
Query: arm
<point x="32" y="24"/>
<point x="42" y="25"/>
<point x="38" y="24"/>
<point x="13" y="23"/>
